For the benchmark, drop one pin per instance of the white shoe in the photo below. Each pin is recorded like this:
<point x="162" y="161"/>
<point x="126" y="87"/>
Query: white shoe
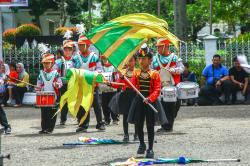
<point x="9" y="101"/>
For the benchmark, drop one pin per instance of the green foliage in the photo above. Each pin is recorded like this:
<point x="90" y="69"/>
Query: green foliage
<point x="7" y="46"/>
<point x="121" y="7"/>
<point x="28" y="30"/>
<point x="244" y="37"/>
<point x="197" y="65"/>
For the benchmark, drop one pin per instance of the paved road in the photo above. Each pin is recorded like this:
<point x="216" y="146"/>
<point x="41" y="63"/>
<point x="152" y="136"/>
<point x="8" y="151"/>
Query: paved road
<point x="200" y="132"/>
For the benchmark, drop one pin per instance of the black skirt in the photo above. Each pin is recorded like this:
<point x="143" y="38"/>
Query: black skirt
<point x="160" y="117"/>
<point x="121" y="102"/>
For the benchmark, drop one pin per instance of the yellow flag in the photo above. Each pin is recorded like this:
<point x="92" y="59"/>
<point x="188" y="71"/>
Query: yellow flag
<point x="80" y="91"/>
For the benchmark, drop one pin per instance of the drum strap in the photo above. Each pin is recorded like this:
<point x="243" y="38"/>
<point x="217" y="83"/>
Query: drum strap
<point x="167" y="66"/>
<point x="169" y="62"/>
<point x="47" y="82"/>
<point x="85" y="65"/>
<point x="64" y="66"/>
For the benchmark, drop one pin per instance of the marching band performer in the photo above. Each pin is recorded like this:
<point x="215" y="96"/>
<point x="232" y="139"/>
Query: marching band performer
<point x="126" y="97"/>
<point x="89" y="61"/>
<point x="62" y="65"/>
<point x="147" y="81"/>
<point x="111" y="74"/>
<point x="170" y="67"/>
<point x="48" y="80"/>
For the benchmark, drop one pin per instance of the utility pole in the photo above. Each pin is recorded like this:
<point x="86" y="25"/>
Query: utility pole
<point x="90" y="13"/>
<point x="210" y="16"/>
<point x="158" y="7"/>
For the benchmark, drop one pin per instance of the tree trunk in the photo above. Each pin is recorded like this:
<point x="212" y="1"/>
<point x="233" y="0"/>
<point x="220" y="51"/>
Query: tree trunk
<point x="109" y="9"/>
<point x="37" y="20"/>
<point x="180" y="19"/>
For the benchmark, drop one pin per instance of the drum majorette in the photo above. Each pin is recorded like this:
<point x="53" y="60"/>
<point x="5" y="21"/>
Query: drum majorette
<point x="48" y="84"/>
<point x="89" y="61"/>
<point x="147" y="81"/>
<point x="170" y="67"/>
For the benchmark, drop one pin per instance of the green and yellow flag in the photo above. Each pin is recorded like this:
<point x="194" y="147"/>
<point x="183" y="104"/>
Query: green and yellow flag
<point x="119" y="39"/>
<point x="80" y="92"/>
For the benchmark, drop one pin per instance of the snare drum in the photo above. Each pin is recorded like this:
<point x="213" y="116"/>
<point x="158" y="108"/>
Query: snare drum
<point x="29" y="98"/>
<point x="169" y="94"/>
<point x="45" y="99"/>
<point x="188" y="90"/>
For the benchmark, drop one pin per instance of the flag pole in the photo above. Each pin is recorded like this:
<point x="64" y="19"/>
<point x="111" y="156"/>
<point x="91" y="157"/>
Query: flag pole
<point x="139" y="93"/>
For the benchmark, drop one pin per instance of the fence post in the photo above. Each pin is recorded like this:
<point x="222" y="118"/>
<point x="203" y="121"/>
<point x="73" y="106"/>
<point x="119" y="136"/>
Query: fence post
<point x="210" y="43"/>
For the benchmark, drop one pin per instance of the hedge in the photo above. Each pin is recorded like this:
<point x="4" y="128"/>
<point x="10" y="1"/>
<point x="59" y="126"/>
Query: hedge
<point x="28" y="30"/>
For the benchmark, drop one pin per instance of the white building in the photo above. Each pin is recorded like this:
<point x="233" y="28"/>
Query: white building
<point x="49" y="20"/>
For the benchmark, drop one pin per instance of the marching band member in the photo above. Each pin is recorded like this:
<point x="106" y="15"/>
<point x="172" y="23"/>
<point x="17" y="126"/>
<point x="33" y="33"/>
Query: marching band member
<point x="3" y="117"/>
<point x="170" y="67"/>
<point x="89" y="61"/>
<point x="111" y="75"/>
<point x="62" y="65"/>
<point x="147" y="81"/>
<point x="126" y="97"/>
<point x="48" y="80"/>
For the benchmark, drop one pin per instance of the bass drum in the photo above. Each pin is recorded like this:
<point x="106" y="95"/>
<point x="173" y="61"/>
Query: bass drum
<point x="187" y="90"/>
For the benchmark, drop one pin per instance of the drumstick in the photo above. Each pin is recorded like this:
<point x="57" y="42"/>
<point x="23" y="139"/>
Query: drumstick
<point x="22" y="81"/>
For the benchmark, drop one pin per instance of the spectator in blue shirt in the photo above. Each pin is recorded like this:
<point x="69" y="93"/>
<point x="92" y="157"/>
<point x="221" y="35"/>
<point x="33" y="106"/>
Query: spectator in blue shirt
<point x="188" y="75"/>
<point x="214" y="82"/>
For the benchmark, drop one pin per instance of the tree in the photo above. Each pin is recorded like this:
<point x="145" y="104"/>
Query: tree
<point x="120" y="7"/>
<point x="180" y="18"/>
<point x="198" y="16"/>
<point x="38" y="7"/>
<point x="71" y="9"/>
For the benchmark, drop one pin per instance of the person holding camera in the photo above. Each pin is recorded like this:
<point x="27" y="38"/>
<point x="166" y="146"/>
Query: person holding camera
<point x="214" y="83"/>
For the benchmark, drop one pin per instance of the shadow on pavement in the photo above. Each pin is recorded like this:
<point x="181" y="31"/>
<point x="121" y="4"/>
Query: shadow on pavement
<point x="55" y="134"/>
<point x="111" y="161"/>
<point x="45" y="135"/>
<point x="57" y="147"/>
<point x="170" y="133"/>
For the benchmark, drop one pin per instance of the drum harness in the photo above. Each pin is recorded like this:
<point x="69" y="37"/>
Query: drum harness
<point x="85" y="65"/>
<point x="164" y="70"/>
<point x="48" y="84"/>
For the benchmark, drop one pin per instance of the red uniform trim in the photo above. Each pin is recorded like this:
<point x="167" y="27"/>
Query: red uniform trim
<point x="155" y="84"/>
<point x="92" y="64"/>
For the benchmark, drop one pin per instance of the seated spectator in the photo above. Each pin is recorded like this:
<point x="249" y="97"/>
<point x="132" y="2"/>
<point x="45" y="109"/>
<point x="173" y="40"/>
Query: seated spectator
<point x="239" y="79"/>
<point x="2" y="84"/>
<point x="214" y="82"/>
<point x="191" y="77"/>
<point x="21" y="87"/>
<point x="12" y="80"/>
<point x="188" y="75"/>
<point x="3" y="77"/>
